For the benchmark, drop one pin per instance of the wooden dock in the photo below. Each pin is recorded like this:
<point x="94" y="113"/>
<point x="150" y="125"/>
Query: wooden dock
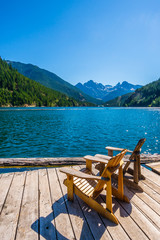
<point x="33" y="205"/>
<point x="155" y="167"/>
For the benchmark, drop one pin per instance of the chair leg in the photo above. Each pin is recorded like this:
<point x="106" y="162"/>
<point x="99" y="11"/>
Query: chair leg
<point x="139" y="167"/>
<point x="109" y="196"/>
<point x="120" y="183"/>
<point x="89" y="165"/>
<point x="70" y="188"/>
<point x="136" y="171"/>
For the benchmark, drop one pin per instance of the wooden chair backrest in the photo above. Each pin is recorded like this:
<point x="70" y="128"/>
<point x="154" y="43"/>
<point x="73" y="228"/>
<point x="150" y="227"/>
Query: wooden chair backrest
<point x="137" y="149"/>
<point x="114" y="163"/>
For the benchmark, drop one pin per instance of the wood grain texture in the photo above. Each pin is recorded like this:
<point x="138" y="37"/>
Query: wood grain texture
<point x="4" y="162"/>
<point x="59" y="207"/>
<point x="34" y="205"/>
<point x="46" y="215"/>
<point x="10" y="212"/>
<point x="29" y="209"/>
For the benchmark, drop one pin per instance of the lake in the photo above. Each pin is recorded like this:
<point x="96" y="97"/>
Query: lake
<point x="73" y="132"/>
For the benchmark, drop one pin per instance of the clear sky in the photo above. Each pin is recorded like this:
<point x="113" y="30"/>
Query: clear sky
<point x="108" y="41"/>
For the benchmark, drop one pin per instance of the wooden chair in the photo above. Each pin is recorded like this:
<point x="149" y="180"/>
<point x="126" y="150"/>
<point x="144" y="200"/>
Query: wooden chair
<point x="134" y="158"/>
<point x="88" y="186"/>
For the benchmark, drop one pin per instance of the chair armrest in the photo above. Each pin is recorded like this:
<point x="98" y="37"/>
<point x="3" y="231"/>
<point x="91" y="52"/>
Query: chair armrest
<point x="103" y="157"/>
<point x="116" y="149"/>
<point x="76" y="173"/>
<point x="96" y="159"/>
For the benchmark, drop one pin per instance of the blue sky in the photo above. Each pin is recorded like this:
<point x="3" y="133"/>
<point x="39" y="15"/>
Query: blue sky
<point x="108" y="41"/>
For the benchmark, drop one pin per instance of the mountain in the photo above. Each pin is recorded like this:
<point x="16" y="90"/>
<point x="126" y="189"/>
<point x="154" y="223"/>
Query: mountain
<point x="18" y="90"/>
<point x="106" y="92"/>
<point x="147" y="96"/>
<point x="118" y="101"/>
<point x="52" y="81"/>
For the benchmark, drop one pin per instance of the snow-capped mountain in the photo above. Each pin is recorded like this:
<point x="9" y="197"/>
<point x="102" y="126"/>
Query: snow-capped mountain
<point x="106" y="92"/>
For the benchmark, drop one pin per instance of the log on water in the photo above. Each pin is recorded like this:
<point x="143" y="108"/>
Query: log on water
<point x="8" y="162"/>
<point x="146" y="158"/>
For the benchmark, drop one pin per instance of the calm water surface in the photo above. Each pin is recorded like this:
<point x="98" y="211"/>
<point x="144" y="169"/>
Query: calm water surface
<point x="72" y="132"/>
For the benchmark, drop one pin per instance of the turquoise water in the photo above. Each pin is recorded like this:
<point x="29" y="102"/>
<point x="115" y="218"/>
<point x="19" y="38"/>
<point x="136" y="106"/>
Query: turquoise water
<point x="72" y="132"/>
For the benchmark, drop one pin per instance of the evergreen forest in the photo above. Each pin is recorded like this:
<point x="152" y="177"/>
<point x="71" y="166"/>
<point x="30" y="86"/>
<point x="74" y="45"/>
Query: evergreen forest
<point x="146" y="96"/>
<point x="18" y="90"/>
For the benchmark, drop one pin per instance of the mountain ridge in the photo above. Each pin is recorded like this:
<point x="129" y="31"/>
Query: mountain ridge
<point x="106" y="92"/>
<point x="146" y="96"/>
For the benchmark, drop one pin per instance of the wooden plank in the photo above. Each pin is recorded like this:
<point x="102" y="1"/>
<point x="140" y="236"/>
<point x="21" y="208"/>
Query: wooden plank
<point x="62" y="220"/>
<point x="151" y="185"/>
<point x="148" y="197"/>
<point x="10" y="212"/>
<point x="76" y="173"/>
<point x="155" y="167"/>
<point x="124" y="218"/>
<point x="41" y="161"/>
<point x="95" y="159"/>
<point x="150" y="191"/>
<point x="96" y="225"/>
<point x="149" y="201"/>
<point x="115" y="231"/>
<point x="46" y="214"/>
<point x="141" y="220"/>
<point x="79" y="223"/>
<point x="5" y="180"/>
<point x="126" y="222"/>
<point x="28" y="221"/>
<point x="116" y="149"/>
<point x="143" y="206"/>
<point x="103" y="156"/>
<point x="156" y="164"/>
<point x="150" y="175"/>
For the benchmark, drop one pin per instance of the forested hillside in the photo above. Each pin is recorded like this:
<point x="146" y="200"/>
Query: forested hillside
<point x="147" y="96"/>
<point x="52" y="81"/>
<point x="18" y="90"/>
<point x="118" y="101"/>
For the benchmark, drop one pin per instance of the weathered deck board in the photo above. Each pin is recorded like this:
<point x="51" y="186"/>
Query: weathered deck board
<point x="98" y="229"/>
<point x="153" y="177"/>
<point x="116" y="231"/>
<point x="10" y="212"/>
<point x="5" y="180"/>
<point x="29" y="209"/>
<point x="33" y="205"/>
<point x="46" y="219"/>
<point x="79" y="224"/>
<point x="155" y="167"/>
<point x="143" y="206"/>
<point x="142" y="221"/>
<point x="150" y="191"/>
<point x="59" y="208"/>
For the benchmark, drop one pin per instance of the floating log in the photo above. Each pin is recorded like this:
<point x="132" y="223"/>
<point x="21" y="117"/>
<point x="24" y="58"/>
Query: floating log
<point x="9" y="162"/>
<point x="147" y="158"/>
